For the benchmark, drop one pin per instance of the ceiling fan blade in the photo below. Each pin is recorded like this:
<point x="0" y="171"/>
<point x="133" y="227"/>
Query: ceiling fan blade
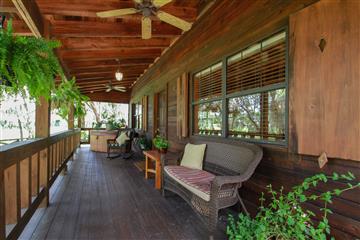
<point x="160" y="3"/>
<point x="146" y="28"/>
<point x="117" y="12"/>
<point x="108" y="89"/>
<point x="175" y="21"/>
<point x="119" y="87"/>
<point x="120" y="90"/>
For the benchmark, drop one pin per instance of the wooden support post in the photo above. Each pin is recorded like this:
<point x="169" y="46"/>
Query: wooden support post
<point x="42" y="130"/>
<point x="71" y="118"/>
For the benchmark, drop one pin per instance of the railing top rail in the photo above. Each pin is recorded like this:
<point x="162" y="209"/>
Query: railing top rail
<point x="11" y="153"/>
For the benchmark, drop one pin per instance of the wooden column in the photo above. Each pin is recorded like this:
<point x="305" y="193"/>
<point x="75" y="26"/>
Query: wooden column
<point x="71" y="118"/>
<point x="40" y="168"/>
<point x="42" y="119"/>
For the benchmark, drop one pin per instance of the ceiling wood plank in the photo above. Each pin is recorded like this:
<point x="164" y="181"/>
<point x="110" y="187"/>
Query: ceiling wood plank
<point x="89" y="9"/>
<point x="123" y="62"/>
<point x="61" y="28"/>
<point x="30" y="13"/>
<point x="112" y="42"/>
<point x="113" y="54"/>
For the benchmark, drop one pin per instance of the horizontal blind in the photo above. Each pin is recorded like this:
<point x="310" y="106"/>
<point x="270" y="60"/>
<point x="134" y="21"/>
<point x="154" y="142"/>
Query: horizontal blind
<point x="259" y="65"/>
<point x="207" y="83"/>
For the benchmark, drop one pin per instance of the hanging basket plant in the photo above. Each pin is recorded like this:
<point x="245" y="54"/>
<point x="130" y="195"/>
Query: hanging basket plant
<point x="65" y="95"/>
<point x="30" y="63"/>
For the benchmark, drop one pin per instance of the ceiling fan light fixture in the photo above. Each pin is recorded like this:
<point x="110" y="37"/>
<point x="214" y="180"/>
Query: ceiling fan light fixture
<point x="119" y="75"/>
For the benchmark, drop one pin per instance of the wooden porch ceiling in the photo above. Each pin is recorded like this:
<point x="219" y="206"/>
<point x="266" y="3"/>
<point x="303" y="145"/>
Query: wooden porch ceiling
<point x="91" y="45"/>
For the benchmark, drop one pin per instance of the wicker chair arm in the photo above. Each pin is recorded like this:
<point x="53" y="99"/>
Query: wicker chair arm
<point x="222" y="180"/>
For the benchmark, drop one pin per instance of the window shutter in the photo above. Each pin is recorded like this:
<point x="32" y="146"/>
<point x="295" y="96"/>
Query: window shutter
<point x="260" y="65"/>
<point x="207" y="83"/>
<point x="144" y="102"/>
<point x="182" y="106"/>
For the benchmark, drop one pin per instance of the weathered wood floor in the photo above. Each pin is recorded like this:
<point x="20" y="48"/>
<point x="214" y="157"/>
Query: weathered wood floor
<point x="110" y="199"/>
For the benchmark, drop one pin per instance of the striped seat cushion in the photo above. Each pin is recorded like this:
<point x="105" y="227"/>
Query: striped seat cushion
<point x="195" y="180"/>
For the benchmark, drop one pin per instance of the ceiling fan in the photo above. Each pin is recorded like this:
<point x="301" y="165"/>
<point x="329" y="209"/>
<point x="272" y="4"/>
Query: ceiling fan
<point x="110" y="87"/>
<point x="148" y="8"/>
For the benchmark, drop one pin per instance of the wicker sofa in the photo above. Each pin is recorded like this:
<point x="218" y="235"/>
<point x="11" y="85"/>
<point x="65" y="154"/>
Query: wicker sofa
<point x="225" y="167"/>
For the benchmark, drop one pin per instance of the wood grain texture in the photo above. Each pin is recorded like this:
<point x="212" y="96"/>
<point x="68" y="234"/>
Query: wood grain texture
<point x="324" y="91"/>
<point x="198" y="49"/>
<point x="101" y="199"/>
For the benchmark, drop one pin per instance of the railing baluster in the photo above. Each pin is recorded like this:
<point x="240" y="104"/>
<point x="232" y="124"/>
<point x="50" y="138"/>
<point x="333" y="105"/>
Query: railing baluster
<point x="18" y="192"/>
<point x="2" y="205"/>
<point x="28" y="171"/>
<point x="38" y="174"/>
<point x="30" y="181"/>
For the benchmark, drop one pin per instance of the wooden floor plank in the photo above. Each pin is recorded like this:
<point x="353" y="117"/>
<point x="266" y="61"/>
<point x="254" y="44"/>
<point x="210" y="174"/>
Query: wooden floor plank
<point x="110" y="199"/>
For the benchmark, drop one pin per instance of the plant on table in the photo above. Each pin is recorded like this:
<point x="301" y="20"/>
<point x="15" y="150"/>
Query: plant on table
<point x="161" y="143"/>
<point x="285" y="218"/>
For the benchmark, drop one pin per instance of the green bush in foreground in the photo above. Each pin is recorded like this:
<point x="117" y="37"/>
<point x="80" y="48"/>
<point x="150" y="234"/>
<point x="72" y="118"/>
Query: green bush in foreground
<point x="285" y="218"/>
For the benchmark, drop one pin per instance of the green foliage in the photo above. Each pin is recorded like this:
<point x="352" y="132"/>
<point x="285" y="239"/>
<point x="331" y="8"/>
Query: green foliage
<point x="30" y="63"/>
<point x="112" y="122"/>
<point x="67" y="94"/>
<point x="161" y="142"/>
<point x="284" y="216"/>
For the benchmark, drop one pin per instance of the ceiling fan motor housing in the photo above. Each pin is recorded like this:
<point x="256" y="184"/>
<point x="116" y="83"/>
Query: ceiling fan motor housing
<point x="147" y="8"/>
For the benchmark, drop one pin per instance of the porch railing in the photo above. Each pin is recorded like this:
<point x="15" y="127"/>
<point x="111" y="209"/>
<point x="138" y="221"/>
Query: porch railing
<point x="27" y="171"/>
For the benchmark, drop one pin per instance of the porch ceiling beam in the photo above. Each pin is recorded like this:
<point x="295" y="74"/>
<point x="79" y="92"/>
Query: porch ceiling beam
<point x="62" y="28"/>
<point x="30" y="13"/>
<point x="108" y="70"/>
<point x="102" y="76"/>
<point x="110" y="54"/>
<point x="90" y="7"/>
<point x="99" y="63"/>
<point x="82" y="76"/>
<point x="112" y="43"/>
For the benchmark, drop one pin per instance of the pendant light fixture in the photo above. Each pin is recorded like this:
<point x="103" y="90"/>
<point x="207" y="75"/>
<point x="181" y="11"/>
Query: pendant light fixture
<point x="118" y="75"/>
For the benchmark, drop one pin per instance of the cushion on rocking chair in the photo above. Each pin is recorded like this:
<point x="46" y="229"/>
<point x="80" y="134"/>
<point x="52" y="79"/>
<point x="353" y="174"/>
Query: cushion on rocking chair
<point x="122" y="138"/>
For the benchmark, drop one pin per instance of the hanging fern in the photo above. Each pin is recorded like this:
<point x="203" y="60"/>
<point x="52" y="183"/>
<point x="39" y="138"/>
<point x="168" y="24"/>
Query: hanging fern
<point x="30" y="63"/>
<point x="67" y="94"/>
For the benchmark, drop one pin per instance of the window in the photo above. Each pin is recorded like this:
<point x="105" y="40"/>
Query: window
<point x="138" y="116"/>
<point x="252" y="96"/>
<point x="207" y="108"/>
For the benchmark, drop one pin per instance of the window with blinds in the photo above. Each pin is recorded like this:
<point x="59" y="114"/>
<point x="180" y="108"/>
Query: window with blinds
<point x="207" y="88"/>
<point x="259" y="70"/>
<point x="259" y="65"/>
<point x="255" y="94"/>
<point x="207" y="83"/>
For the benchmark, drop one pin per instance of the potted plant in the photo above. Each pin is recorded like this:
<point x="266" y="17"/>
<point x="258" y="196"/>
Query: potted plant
<point x="161" y="144"/>
<point x="284" y="216"/>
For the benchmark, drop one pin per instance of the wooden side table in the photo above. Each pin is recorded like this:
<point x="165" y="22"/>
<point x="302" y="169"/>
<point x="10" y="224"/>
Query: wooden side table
<point x="153" y="155"/>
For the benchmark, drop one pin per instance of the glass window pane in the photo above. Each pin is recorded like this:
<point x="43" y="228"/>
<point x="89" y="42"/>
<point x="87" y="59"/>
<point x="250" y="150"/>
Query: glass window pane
<point x="258" y="116"/>
<point x="276" y="116"/>
<point x="208" y="118"/>
<point x="244" y="116"/>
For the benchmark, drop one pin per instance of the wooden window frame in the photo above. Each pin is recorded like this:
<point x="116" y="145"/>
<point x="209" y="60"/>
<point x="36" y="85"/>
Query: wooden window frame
<point x="225" y="97"/>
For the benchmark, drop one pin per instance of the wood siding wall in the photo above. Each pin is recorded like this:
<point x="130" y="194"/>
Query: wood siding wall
<point x="231" y="26"/>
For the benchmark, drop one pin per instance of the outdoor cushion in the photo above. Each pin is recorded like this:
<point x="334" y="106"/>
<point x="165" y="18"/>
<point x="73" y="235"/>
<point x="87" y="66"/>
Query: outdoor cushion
<point x="122" y="138"/>
<point x="193" y="156"/>
<point x="196" y="181"/>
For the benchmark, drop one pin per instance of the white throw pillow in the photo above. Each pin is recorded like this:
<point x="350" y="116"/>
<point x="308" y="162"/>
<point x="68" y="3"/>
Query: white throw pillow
<point x="122" y="138"/>
<point x="193" y="156"/>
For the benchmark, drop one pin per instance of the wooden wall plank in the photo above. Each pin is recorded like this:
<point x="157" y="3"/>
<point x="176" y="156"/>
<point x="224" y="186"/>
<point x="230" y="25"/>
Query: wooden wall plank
<point x="324" y="91"/>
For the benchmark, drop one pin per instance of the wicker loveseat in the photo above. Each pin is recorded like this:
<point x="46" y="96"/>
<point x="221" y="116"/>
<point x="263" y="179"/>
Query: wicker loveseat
<point x="225" y="167"/>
